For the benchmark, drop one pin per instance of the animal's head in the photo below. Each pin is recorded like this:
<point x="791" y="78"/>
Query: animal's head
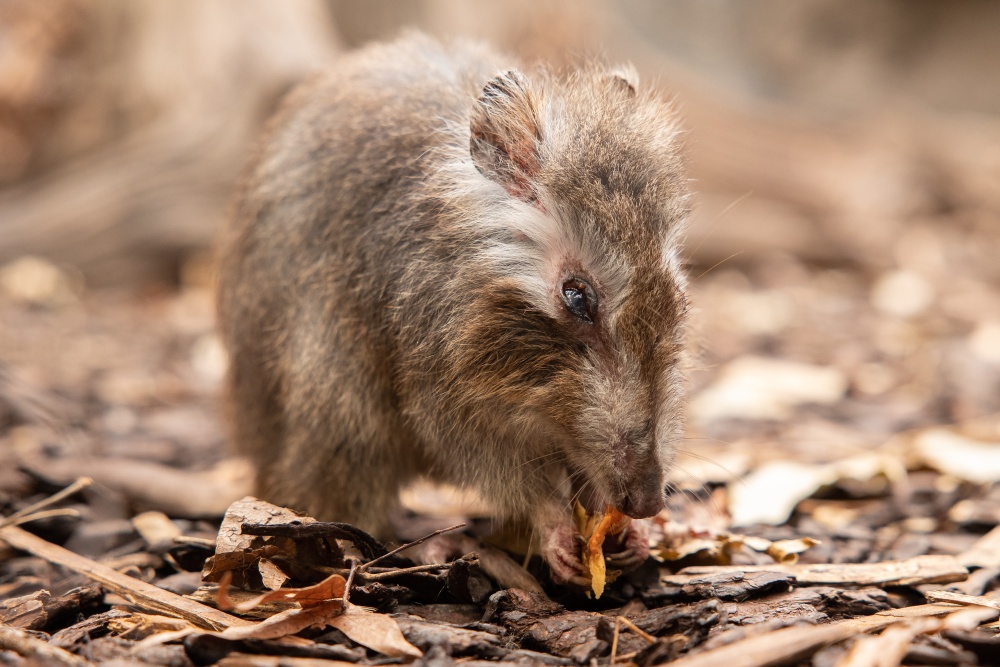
<point x="578" y="321"/>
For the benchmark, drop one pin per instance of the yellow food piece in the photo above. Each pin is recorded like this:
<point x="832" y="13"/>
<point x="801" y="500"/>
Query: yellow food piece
<point x="594" y="529"/>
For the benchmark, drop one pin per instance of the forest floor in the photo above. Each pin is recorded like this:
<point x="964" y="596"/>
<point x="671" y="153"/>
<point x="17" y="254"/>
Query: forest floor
<point x="835" y="495"/>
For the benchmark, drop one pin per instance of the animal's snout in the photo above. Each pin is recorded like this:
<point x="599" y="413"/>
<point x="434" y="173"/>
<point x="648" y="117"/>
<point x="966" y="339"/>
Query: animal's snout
<point x="644" y="496"/>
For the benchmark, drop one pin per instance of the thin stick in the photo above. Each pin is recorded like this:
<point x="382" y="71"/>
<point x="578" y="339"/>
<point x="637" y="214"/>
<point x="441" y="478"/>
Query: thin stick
<point x="385" y="573"/>
<point x="405" y="570"/>
<point x="139" y="593"/>
<point x="38" y="516"/>
<point x="650" y="639"/>
<point x="79" y="485"/>
<point x="614" y="640"/>
<point x="350" y="582"/>
<point x="365" y="566"/>
<point x="195" y="541"/>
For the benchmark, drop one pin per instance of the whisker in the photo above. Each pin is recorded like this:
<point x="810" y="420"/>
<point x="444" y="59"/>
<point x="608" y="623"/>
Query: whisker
<point x="715" y="220"/>
<point x="717" y="265"/>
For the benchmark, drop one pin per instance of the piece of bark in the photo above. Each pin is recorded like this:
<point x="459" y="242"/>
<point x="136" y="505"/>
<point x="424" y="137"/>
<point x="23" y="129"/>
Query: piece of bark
<point x="572" y="634"/>
<point x="25" y="611"/>
<point x="889" y="647"/>
<point x="979" y="581"/>
<point x="461" y="642"/>
<point x="467" y="582"/>
<point x="36" y="651"/>
<point x="984" y="553"/>
<point x="38" y="610"/>
<point x="138" y="592"/>
<point x="801" y="604"/>
<point x="796" y="643"/>
<point x="78" y="634"/>
<point x="247" y="660"/>
<point x="683" y="625"/>
<point x="206" y="649"/>
<point x="924" y="654"/>
<point x="985" y="645"/>
<point x="911" y="572"/>
<point x="816" y="603"/>
<point x="962" y="598"/>
<point x="736" y="585"/>
<point x="517" y="604"/>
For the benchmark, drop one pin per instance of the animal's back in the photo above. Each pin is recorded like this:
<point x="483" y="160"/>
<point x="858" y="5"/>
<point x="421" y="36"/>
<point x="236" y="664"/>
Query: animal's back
<point x="331" y="213"/>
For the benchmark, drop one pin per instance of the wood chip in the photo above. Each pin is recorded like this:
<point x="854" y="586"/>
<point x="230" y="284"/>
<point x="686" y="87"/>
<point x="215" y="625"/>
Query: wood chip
<point x="796" y="643"/>
<point x="25" y="611"/>
<point x="36" y="651"/>
<point x="985" y="552"/>
<point x="156" y="529"/>
<point x="889" y="648"/>
<point x="910" y="572"/>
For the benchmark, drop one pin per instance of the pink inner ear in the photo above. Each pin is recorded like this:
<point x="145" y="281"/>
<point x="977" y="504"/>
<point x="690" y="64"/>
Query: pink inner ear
<point x="524" y="159"/>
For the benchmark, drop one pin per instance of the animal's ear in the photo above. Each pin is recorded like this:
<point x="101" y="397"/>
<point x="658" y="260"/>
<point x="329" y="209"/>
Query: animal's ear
<point x="625" y="78"/>
<point x="506" y="134"/>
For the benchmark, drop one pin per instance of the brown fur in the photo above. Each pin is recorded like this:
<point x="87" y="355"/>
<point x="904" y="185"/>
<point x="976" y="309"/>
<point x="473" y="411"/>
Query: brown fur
<point x="391" y="284"/>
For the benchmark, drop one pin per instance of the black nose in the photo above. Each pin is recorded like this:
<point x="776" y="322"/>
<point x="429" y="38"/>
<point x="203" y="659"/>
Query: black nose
<point x="645" y="498"/>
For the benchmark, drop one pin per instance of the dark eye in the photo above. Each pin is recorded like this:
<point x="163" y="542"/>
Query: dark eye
<point x="580" y="299"/>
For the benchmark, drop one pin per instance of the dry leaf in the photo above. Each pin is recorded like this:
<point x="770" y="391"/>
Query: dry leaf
<point x="288" y="622"/>
<point x="771" y="492"/>
<point x="238" y="553"/>
<point x="376" y="631"/>
<point x="787" y="551"/>
<point x="272" y="575"/>
<point x="331" y="588"/>
<point x="594" y="530"/>
<point x="718" y="548"/>
<point x="957" y="455"/>
<point x="319" y="604"/>
<point x="761" y="388"/>
<point x="708" y="549"/>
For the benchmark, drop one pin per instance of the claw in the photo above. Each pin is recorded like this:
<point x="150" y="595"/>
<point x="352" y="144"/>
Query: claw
<point x="626" y="556"/>
<point x="635" y="541"/>
<point x="561" y="550"/>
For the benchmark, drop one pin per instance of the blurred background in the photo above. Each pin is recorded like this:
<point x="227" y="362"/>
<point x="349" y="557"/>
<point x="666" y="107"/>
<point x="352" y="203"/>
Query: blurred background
<point x="843" y="247"/>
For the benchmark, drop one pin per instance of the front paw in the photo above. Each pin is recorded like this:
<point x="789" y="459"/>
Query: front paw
<point x="629" y="550"/>
<point x="561" y="549"/>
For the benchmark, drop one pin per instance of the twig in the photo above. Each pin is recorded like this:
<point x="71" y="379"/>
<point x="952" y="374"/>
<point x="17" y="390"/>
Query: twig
<point x="38" y="516"/>
<point x="21" y="515"/>
<point x="389" y="574"/>
<point x="365" y="566"/>
<point x="614" y="640"/>
<point x="138" y="592"/>
<point x="195" y="541"/>
<point x="650" y="639"/>
<point x="350" y="582"/>
<point x="385" y="572"/>
<point x="368" y="545"/>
